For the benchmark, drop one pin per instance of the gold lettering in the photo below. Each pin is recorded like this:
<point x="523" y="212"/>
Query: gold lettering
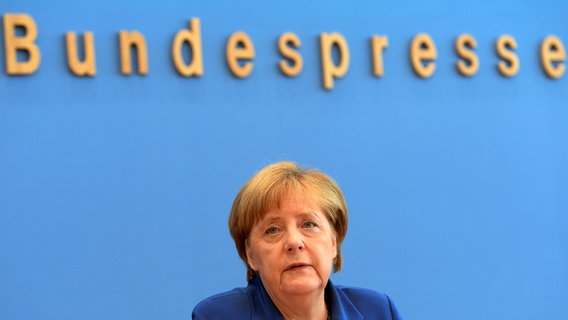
<point x="469" y="64"/>
<point x="87" y="67"/>
<point x="422" y="51"/>
<point x="293" y="66"/>
<point x="510" y="64"/>
<point x="552" y="56"/>
<point x="134" y="40"/>
<point x="378" y="46"/>
<point x="26" y="43"/>
<point x="193" y="38"/>
<point x="239" y="47"/>
<point x="329" y="69"/>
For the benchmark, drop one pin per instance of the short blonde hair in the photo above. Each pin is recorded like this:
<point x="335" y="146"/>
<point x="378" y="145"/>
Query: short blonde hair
<point x="268" y="187"/>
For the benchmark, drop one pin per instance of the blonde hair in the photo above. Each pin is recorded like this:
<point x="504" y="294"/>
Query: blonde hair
<point x="268" y="187"/>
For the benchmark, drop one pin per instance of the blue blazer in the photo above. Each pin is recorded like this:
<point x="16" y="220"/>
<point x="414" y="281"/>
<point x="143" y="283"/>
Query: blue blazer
<point x="253" y="303"/>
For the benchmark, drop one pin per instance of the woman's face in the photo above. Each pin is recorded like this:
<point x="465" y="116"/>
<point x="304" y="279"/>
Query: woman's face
<point x="292" y="248"/>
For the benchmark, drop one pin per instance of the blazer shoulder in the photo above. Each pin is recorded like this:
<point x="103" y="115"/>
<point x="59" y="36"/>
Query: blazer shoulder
<point x="233" y="304"/>
<point x="370" y="303"/>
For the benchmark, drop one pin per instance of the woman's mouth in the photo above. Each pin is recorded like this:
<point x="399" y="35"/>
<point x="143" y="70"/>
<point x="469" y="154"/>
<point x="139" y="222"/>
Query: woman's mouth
<point x="296" y="266"/>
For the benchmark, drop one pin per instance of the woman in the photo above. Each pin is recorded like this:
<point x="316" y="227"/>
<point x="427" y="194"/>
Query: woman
<point x="288" y="225"/>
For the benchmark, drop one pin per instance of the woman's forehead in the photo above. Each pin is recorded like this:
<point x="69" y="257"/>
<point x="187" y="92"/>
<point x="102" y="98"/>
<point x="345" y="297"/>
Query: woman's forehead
<point x="298" y="196"/>
<point x="296" y="203"/>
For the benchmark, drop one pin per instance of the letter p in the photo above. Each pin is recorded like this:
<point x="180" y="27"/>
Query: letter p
<point x="329" y="69"/>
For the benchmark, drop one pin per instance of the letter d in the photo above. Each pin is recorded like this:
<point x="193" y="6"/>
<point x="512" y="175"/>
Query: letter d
<point x="193" y="38"/>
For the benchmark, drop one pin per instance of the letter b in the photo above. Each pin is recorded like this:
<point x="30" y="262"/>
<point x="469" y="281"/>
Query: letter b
<point x="12" y="44"/>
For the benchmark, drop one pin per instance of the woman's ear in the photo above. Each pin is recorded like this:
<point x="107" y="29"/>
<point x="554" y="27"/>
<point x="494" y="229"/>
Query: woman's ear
<point x="334" y="244"/>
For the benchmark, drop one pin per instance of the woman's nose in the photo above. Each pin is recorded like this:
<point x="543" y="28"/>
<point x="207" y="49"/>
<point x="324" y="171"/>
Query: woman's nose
<point x="294" y="240"/>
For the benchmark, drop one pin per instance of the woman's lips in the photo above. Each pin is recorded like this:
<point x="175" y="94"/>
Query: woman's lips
<point x="297" y="266"/>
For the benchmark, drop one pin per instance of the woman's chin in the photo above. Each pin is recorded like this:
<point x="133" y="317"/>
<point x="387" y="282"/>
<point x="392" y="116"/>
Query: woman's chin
<point x="301" y="285"/>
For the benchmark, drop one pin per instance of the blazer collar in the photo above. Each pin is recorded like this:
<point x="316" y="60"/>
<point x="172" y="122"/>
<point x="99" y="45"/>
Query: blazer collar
<point x="341" y="306"/>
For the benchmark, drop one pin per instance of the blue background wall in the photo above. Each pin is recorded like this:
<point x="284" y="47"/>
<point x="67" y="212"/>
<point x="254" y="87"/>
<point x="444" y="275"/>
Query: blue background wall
<point x="115" y="190"/>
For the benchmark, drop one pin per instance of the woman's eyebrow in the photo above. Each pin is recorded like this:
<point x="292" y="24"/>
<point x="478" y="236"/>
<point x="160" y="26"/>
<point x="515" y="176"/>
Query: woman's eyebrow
<point x="310" y="215"/>
<point x="272" y="217"/>
<point x="269" y="218"/>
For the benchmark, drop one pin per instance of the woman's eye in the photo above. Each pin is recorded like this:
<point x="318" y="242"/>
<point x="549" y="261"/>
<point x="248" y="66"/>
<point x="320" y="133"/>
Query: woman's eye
<point x="271" y="230"/>
<point x="310" y="224"/>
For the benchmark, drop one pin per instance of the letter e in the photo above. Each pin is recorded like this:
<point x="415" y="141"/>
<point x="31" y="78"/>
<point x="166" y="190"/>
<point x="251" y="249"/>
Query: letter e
<point x="422" y="51"/>
<point x="552" y="56"/>
<point x="239" y="46"/>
